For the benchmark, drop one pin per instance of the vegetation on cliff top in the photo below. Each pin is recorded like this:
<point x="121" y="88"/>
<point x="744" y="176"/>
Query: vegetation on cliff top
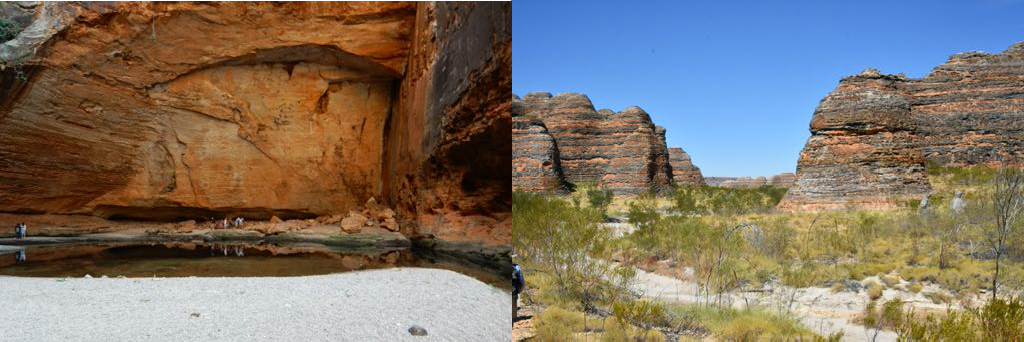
<point x="8" y="29"/>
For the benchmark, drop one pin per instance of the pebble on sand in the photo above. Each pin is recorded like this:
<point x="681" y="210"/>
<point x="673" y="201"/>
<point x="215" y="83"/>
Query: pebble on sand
<point x="417" y="331"/>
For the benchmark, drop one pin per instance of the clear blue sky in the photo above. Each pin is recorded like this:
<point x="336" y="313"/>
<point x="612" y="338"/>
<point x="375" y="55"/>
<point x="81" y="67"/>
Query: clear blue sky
<point x="735" y="83"/>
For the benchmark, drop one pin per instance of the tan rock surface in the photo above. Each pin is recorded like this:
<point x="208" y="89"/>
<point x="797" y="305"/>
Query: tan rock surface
<point x="177" y="111"/>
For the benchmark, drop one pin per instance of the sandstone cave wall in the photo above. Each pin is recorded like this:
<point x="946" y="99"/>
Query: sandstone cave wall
<point x="447" y="153"/>
<point x="873" y="134"/>
<point x="255" y="108"/>
<point x="173" y="111"/>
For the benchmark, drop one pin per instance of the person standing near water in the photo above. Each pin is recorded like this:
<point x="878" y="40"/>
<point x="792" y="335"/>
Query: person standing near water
<point x="517" y="283"/>
<point x="20" y="231"/>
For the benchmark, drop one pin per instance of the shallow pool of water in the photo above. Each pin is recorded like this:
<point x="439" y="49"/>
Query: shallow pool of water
<point x="207" y="259"/>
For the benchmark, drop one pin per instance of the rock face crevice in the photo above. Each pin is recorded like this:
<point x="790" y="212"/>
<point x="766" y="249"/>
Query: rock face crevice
<point x="870" y="137"/>
<point x="561" y="142"/>
<point x="157" y="111"/>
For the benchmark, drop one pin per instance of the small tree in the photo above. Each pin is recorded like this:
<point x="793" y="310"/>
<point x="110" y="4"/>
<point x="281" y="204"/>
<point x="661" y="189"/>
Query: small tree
<point x="1007" y="202"/>
<point x="599" y="199"/>
<point x="643" y="214"/>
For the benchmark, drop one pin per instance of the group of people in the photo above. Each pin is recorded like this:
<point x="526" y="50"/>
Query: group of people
<point x="20" y="231"/>
<point x="227" y="222"/>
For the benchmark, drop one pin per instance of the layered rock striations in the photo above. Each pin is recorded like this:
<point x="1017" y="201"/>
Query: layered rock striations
<point x="863" y="151"/>
<point x="683" y="170"/>
<point x="782" y="180"/>
<point x="536" y="164"/>
<point x="745" y="183"/>
<point x="871" y="136"/>
<point x="169" y="111"/>
<point x="620" y="151"/>
<point x="970" y="109"/>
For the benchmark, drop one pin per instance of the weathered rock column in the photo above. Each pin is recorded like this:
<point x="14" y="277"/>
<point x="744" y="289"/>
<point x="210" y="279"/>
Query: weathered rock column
<point x="863" y="151"/>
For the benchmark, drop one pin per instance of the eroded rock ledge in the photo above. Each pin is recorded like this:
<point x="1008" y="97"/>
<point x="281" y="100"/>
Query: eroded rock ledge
<point x="871" y="136"/>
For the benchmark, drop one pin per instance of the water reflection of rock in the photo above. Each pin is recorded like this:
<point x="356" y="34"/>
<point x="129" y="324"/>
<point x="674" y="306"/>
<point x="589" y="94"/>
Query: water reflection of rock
<point x="220" y="259"/>
<point x="355" y="259"/>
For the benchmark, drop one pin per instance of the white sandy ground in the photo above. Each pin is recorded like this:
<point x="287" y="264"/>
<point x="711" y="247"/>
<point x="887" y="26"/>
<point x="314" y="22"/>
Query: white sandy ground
<point x="817" y="308"/>
<point x="373" y="305"/>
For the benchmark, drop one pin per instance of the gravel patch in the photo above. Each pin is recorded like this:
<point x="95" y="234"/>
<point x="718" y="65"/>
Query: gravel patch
<point x="373" y="305"/>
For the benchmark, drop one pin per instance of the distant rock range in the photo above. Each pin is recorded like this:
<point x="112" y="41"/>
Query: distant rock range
<point x="782" y="180"/>
<point x="561" y="141"/>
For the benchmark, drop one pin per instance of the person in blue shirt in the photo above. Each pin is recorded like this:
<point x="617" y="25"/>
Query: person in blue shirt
<point x="518" y="282"/>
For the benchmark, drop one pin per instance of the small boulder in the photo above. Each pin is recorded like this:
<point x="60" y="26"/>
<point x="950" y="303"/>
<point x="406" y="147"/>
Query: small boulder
<point x="391" y="257"/>
<point x="275" y="219"/>
<point x="333" y="219"/>
<point x="371" y="204"/>
<point x="187" y="226"/>
<point x="390" y="224"/>
<point x="353" y="223"/>
<point x="417" y="331"/>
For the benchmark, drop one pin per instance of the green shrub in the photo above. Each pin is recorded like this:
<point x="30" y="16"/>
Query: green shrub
<point x="8" y="29"/>
<point x="598" y="198"/>
<point x="1001" y="320"/>
<point x="890" y="316"/>
<point x="915" y="287"/>
<point x="742" y="325"/>
<point x="890" y="281"/>
<point x="568" y="244"/>
<point x="937" y="297"/>
<point x="642" y="313"/>
<point x="961" y="175"/>
<point x="837" y="287"/>
<point x="614" y="330"/>
<point x="726" y="201"/>
<point x="643" y="214"/>
<point x="998" y="320"/>
<point x="558" y="324"/>
<point x="874" y="290"/>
